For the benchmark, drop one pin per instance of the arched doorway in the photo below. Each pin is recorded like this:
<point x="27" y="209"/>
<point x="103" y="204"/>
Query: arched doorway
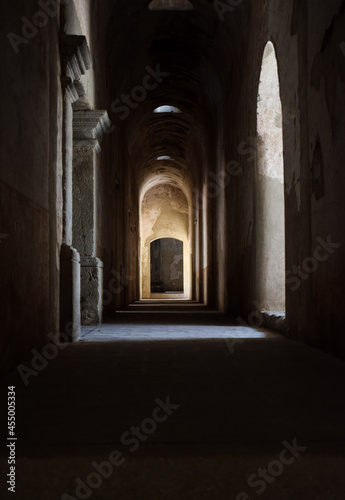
<point x="166" y="265"/>
<point x="165" y="243"/>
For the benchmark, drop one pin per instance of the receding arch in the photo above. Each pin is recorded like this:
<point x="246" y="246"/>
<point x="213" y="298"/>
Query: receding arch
<point x="270" y="198"/>
<point x="165" y="214"/>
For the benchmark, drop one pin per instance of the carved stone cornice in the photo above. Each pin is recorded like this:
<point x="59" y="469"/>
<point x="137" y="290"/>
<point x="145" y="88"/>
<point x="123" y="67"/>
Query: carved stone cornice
<point x="75" y="61"/>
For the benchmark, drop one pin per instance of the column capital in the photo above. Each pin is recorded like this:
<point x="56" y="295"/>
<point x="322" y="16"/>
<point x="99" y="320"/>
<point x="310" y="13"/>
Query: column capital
<point x="89" y="126"/>
<point x="75" y="61"/>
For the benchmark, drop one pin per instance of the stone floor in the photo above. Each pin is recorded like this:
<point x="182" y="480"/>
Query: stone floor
<point x="192" y="322"/>
<point x="242" y="396"/>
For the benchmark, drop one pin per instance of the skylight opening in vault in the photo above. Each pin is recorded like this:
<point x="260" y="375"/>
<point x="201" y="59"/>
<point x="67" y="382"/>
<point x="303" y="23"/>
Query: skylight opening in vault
<point x="167" y="109"/>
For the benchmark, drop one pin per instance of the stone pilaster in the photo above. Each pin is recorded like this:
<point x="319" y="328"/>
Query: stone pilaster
<point x="89" y="127"/>
<point x="75" y="61"/>
<point x="91" y="290"/>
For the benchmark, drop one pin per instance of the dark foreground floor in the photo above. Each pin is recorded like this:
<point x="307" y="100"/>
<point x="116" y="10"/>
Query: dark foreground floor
<point x="235" y="407"/>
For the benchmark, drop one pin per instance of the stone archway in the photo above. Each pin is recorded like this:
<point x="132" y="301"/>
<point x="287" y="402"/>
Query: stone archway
<point x="165" y="214"/>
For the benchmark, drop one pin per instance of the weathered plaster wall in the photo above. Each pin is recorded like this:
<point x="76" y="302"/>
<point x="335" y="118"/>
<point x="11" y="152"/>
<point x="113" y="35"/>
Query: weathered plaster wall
<point x="307" y="37"/>
<point x="112" y="174"/>
<point x="326" y="126"/>
<point x="240" y="155"/>
<point x="30" y="184"/>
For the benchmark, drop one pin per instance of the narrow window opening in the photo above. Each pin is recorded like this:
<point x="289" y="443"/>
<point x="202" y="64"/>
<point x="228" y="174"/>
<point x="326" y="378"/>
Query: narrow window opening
<point x="270" y="202"/>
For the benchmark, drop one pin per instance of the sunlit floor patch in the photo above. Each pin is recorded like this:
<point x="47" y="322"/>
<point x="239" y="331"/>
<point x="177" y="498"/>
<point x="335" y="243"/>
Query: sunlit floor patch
<point x="168" y="332"/>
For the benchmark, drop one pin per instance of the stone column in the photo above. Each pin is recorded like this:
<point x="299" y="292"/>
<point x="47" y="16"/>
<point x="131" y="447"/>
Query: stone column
<point x="88" y="126"/>
<point x="75" y="61"/>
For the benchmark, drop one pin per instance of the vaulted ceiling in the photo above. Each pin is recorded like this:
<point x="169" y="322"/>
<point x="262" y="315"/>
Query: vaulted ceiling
<point x="198" y="51"/>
